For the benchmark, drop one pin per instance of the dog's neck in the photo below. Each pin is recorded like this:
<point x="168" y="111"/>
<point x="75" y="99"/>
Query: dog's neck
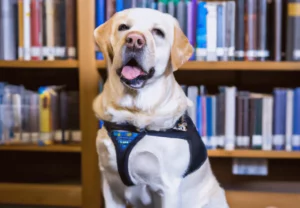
<point x="157" y="106"/>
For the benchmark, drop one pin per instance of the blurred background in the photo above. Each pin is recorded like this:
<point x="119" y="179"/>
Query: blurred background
<point x="244" y="79"/>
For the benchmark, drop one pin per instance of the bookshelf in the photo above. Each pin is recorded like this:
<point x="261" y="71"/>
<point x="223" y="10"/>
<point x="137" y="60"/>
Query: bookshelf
<point x="41" y="194"/>
<point x="86" y="191"/>
<point x="66" y="64"/>
<point x="48" y="148"/>
<point x="233" y="65"/>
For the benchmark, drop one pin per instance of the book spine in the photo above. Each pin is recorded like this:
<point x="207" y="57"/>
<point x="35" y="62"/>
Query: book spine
<point x="20" y="30"/>
<point x="278" y="30"/>
<point x="204" y="120"/>
<point x="182" y="16"/>
<point x="262" y="51"/>
<point x="257" y="136"/>
<point x="45" y="117"/>
<point x="296" y="120"/>
<point x="49" y="50"/>
<point x="251" y="30"/>
<point x="27" y="31"/>
<point x="110" y="8"/>
<point x="239" y="122"/>
<point x="267" y="123"/>
<point x="220" y="30"/>
<point x="294" y="10"/>
<point x="213" y="123"/>
<point x="8" y="30"/>
<point x="201" y="51"/>
<point x="171" y="8"/>
<point x="100" y="19"/>
<point x="192" y="95"/>
<point x="245" y="121"/>
<point x="289" y="120"/>
<point x="191" y="24"/>
<point x="279" y="119"/>
<point x="230" y="30"/>
<point x="70" y="11"/>
<point x="211" y="28"/>
<point x="35" y="30"/>
<point x="240" y="31"/>
<point x="199" y="115"/>
<point x="230" y="93"/>
<point x="209" y="129"/>
<point x="162" y="7"/>
<point x="119" y="5"/>
<point x="126" y="3"/>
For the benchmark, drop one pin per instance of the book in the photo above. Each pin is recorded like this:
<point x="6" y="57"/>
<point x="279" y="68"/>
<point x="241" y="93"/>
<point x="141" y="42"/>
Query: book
<point x="240" y="32"/>
<point x="251" y="30"/>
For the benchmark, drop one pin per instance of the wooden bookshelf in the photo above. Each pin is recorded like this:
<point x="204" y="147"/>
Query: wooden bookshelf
<point x="234" y="65"/>
<point x="253" y="154"/>
<point x="68" y="64"/>
<point x="36" y="148"/>
<point x="40" y="194"/>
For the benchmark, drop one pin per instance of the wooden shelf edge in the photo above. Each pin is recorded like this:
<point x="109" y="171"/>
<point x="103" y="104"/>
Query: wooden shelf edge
<point x="254" y="154"/>
<point x="40" y="64"/>
<point x="35" y="148"/>
<point x="40" y="194"/>
<point x="250" y="199"/>
<point x="233" y="65"/>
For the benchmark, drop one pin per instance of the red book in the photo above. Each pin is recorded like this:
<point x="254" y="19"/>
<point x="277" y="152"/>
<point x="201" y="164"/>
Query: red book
<point x="36" y="30"/>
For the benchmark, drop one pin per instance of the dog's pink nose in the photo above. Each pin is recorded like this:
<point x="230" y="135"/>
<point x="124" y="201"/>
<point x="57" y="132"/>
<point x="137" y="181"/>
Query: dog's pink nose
<point x="135" y="40"/>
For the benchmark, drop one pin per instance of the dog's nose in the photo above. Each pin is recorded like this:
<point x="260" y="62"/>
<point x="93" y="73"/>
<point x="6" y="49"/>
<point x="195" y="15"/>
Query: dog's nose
<point x="135" y="40"/>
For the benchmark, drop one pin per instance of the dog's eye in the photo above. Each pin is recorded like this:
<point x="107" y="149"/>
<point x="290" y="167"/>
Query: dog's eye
<point x="123" y="27"/>
<point x="158" y="32"/>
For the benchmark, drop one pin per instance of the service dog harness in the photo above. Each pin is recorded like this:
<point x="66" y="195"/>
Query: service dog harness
<point x="126" y="136"/>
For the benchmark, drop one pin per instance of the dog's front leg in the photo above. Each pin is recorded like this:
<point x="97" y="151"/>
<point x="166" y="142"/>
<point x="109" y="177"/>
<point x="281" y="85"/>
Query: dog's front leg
<point x="170" y="196"/>
<point x="110" y="200"/>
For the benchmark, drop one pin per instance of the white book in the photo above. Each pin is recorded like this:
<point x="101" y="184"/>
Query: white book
<point x="289" y="120"/>
<point x="27" y="32"/>
<point x="230" y="94"/>
<point x="211" y="28"/>
<point x="49" y="49"/>
<point x="192" y="93"/>
<point x="267" y="110"/>
<point x="230" y="29"/>
<point x="7" y="30"/>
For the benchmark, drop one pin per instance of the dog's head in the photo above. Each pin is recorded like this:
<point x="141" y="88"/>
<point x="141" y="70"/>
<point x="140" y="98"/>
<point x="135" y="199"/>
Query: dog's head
<point x="140" y="45"/>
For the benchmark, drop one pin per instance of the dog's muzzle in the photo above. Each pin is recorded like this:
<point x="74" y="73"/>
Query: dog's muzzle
<point x="132" y="73"/>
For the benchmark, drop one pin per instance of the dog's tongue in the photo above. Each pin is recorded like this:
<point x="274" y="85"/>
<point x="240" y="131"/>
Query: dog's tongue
<point x="131" y="72"/>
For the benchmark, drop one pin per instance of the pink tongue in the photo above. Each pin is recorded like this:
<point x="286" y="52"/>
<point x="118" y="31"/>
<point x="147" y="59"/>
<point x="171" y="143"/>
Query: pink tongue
<point x="131" y="72"/>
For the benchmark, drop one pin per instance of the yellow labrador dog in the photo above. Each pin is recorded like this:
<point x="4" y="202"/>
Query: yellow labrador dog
<point x="150" y="153"/>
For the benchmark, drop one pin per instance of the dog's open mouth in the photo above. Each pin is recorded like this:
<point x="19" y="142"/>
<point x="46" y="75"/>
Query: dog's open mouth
<point x="133" y="75"/>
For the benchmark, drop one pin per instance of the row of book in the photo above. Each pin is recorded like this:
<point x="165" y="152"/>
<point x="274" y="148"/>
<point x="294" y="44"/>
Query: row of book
<point x="47" y="116"/>
<point x="227" y="30"/>
<point x="236" y="119"/>
<point x="37" y="29"/>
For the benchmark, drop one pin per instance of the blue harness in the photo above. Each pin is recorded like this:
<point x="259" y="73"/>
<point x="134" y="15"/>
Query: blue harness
<point x="126" y="136"/>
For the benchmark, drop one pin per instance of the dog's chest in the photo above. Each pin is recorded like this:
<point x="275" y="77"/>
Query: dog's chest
<point x="152" y="161"/>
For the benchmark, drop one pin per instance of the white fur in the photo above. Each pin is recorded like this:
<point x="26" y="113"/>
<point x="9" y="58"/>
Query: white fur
<point x="156" y="164"/>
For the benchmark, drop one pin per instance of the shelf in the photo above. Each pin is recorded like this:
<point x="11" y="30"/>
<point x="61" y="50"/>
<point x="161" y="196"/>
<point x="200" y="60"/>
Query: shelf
<point x="39" y="64"/>
<point x="35" y="148"/>
<point x="250" y="199"/>
<point x="234" y="65"/>
<point x="40" y="194"/>
<point x="253" y="154"/>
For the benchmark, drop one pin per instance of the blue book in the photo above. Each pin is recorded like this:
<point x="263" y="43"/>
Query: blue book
<point x="209" y="120"/>
<point x="100" y="19"/>
<point x="296" y="121"/>
<point x="199" y="114"/>
<point x="127" y="4"/>
<point x="279" y="119"/>
<point x="201" y="39"/>
<point x="119" y="5"/>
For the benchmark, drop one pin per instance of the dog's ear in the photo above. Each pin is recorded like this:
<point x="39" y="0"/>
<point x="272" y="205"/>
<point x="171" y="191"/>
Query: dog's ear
<point x="102" y="36"/>
<point x="181" y="50"/>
